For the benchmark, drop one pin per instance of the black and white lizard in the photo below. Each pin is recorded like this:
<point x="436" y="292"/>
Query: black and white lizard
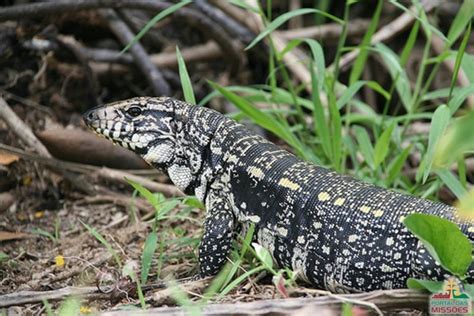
<point x="339" y="233"/>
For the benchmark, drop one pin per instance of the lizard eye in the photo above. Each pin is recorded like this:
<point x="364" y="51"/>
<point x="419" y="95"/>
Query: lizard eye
<point x="134" y="111"/>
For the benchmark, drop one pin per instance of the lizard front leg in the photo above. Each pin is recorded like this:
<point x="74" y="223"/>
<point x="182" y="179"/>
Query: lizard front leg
<point x="218" y="234"/>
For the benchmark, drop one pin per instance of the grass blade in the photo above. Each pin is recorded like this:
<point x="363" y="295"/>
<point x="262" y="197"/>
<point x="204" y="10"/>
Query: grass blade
<point x="365" y="145"/>
<point x="439" y="124"/>
<point x="463" y="17"/>
<point x="285" y="17"/>
<point x="382" y="145"/>
<point x="185" y="80"/>
<point x="160" y="16"/>
<point x="149" y="249"/>
<point x="104" y="242"/>
<point x="459" y="56"/>
<point x="359" y="63"/>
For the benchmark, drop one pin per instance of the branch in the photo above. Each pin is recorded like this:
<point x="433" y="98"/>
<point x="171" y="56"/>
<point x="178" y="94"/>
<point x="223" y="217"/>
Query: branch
<point x="23" y="131"/>
<point x="142" y="60"/>
<point x="193" y="17"/>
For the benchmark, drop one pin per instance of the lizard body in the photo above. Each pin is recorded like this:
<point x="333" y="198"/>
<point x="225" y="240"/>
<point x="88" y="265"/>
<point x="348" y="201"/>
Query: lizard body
<point x="340" y="233"/>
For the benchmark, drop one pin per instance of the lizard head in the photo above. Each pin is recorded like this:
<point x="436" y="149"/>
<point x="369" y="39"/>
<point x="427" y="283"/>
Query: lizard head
<point x="145" y="125"/>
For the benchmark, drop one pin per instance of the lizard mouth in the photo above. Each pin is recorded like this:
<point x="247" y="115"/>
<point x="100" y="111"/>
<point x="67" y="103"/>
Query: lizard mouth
<point x="116" y="131"/>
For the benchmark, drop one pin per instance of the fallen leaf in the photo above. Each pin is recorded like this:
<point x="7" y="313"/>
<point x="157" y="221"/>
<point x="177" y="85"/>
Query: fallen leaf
<point x="12" y="235"/>
<point x="7" y="158"/>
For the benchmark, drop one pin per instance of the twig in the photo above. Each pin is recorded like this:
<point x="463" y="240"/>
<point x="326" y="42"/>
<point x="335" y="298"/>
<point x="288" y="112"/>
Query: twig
<point x="27" y="297"/>
<point x="74" y="46"/>
<point x="196" y="53"/>
<point x="21" y="129"/>
<point x="327" y="32"/>
<point x="104" y="173"/>
<point x="118" y="175"/>
<point x="193" y="17"/>
<point x="388" y="31"/>
<point x="232" y="27"/>
<point x="383" y="300"/>
<point x="297" y="21"/>
<point x="142" y="60"/>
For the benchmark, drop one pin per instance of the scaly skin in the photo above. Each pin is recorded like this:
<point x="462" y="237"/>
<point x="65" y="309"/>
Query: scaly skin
<point x="339" y="233"/>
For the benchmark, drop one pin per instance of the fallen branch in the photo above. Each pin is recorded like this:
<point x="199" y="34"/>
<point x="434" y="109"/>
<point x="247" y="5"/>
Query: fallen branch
<point x="186" y="14"/>
<point x="104" y="173"/>
<point x="28" y="297"/>
<point x="383" y="300"/>
<point x="388" y="31"/>
<point x="20" y="129"/>
<point x="190" y="55"/>
<point x="142" y="60"/>
<point x="327" y="32"/>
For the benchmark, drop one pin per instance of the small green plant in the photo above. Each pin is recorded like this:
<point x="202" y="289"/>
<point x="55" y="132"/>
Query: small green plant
<point x="104" y="242"/>
<point x="446" y="244"/>
<point x="55" y="236"/>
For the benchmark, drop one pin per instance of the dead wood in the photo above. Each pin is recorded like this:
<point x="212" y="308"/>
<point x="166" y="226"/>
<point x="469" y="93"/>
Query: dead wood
<point x="186" y="15"/>
<point x="384" y="300"/>
<point x="329" y="32"/>
<point x="103" y="173"/>
<point x="22" y="130"/>
<point x="140" y="56"/>
<point x="27" y="297"/>
<point x="388" y="31"/>
<point x="83" y="147"/>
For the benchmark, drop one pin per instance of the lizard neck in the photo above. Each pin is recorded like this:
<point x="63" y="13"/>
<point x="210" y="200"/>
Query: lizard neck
<point x="192" y="168"/>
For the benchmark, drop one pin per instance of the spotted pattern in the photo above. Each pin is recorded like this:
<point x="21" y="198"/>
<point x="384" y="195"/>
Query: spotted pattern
<point x="337" y="232"/>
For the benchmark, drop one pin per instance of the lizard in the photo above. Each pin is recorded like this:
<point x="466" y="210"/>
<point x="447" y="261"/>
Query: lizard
<point x="339" y="233"/>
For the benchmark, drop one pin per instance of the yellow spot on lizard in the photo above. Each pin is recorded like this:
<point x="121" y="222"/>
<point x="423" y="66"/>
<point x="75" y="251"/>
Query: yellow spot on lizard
<point x="378" y="213"/>
<point x="365" y="209"/>
<point x="287" y="183"/>
<point x="339" y="201"/>
<point x="471" y="229"/>
<point x="324" y="196"/>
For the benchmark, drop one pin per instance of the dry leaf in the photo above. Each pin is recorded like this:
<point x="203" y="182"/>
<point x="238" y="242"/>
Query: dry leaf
<point x="12" y="235"/>
<point x="7" y="158"/>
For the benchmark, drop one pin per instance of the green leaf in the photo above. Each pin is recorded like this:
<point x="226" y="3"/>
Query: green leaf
<point x="453" y="184"/>
<point x="382" y="145"/>
<point x="456" y="141"/>
<point x="184" y="78"/>
<point x="464" y="16"/>
<point x="264" y="120"/>
<point x="444" y="241"/>
<point x="465" y="205"/>
<point x="459" y="57"/>
<point x="160" y="16"/>
<point x="359" y="63"/>
<point x="460" y="96"/>
<point x="402" y="84"/>
<point x="285" y="17"/>
<point x="467" y="65"/>
<point x="70" y="307"/>
<point x="410" y="43"/>
<point x="365" y="145"/>
<point x="3" y="257"/>
<point x="104" y="242"/>
<point x="395" y="167"/>
<point x="150" y="197"/>
<point x="431" y="286"/>
<point x="149" y="249"/>
<point x="438" y="126"/>
<point x="349" y="93"/>
<point x="263" y="255"/>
